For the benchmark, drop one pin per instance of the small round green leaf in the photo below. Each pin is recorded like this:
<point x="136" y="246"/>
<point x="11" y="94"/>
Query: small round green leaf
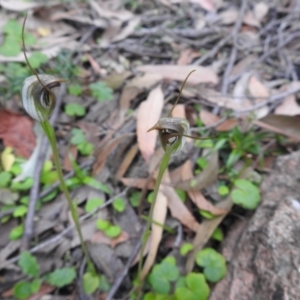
<point x="5" y="178"/>
<point x="185" y="248"/>
<point x="102" y="224"/>
<point x="113" y="231"/>
<point x="159" y="284"/>
<point x="22" y="290"/>
<point x="246" y="194"/>
<point x="61" y="277"/>
<point x="75" y="89"/>
<point x="85" y="148"/>
<point x="135" y="198"/>
<point x="74" y="109"/>
<point x="218" y="235"/>
<point x="214" y="264"/>
<point x="169" y="271"/>
<point x="29" y="264"/>
<point x="16" y="232"/>
<point x="20" y="211"/>
<point x="223" y="190"/>
<point x="92" y="204"/>
<point x="90" y="283"/>
<point x="119" y="204"/>
<point x="36" y="285"/>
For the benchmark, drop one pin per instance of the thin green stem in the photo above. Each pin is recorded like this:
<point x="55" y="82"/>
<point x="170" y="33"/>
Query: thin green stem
<point x="163" y="166"/>
<point x="51" y="137"/>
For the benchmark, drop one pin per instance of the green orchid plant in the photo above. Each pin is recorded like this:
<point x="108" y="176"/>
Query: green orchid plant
<point x="39" y="100"/>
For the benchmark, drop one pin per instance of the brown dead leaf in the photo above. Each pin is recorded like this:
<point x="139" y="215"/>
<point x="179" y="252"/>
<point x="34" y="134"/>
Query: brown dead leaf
<point x="138" y="183"/>
<point x="196" y="196"/>
<point x="67" y="165"/>
<point x="130" y="155"/>
<point x="136" y="86"/>
<point x="177" y="207"/>
<point x="227" y="125"/>
<point x="289" y="106"/>
<point x="250" y="19"/>
<point x="228" y="16"/>
<point x="187" y="56"/>
<point x="203" y="179"/>
<point x="261" y="93"/>
<point x="240" y="88"/>
<point x="176" y="72"/>
<point x="208" y="118"/>
<point x="95" y="65"/>
<point x="100" y="238"/>
<point x="243" y="64"/>
<point x="258" y="89"/>
<point x="16" y="131"/>
<point x="286" y="125"/>
<point x="105" y="151"/>
<point x="148" y="114"/>
<point x="260" y="10"/>
<point x="159" y="217"/>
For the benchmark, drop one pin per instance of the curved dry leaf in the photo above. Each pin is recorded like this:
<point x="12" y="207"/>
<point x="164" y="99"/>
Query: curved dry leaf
<point x="106" y="151"/>
<point x="208" y="118"/>
<point x="176" y="72"/>
<point x="148" y="114"/>
<point x="286" y="125"/>
<point x="289" y="106"/>
<point x="196" y="196"/>
<point x="260" y="10"/>
<point x="138" y="183"/>
<point x="257" y="89"/>
<point x="130" y="155"/>
<point x="187" y="56"/>
<point x="227" y="125"/>
<point x="250" y="19"/>
<point x="243" y="64"/>
<point x="159" y="217"/>
<point x="219" y="99"/>
<point x="203" y="179"/>
<point x="261" y="93"/>
<point x="14" y="5"/>
<point x="240" y="88"/>
<point x="136" y="86"/>
<point x="100" y="238"/>
<point x="228" y="16"/>
<point x="178" y="209"/>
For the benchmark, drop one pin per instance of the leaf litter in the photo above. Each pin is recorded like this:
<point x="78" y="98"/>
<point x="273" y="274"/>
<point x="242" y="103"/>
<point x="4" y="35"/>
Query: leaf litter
<point x="261" y="90"/>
